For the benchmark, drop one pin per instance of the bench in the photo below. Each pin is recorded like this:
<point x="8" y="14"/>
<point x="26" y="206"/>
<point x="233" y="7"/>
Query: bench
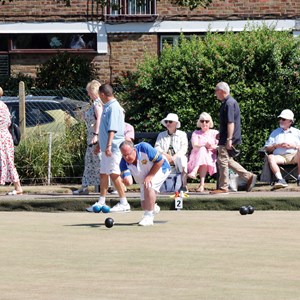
<point x="150" y="137"/>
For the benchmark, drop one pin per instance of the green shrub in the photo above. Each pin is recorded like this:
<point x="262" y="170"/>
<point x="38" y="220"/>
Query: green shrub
<point x="65" y="70"/>
<point x="67" y="159"/>
<point x="260" y="64"/>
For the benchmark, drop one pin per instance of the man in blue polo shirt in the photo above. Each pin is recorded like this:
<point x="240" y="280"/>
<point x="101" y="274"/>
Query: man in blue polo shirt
<point x="229" y="136"/>
<point x="111" y="135"/>
<point x="149" y="169"/>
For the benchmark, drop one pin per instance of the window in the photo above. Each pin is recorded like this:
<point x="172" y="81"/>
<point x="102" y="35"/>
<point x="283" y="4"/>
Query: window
<point x="132" y="7"/>
<point x="173" y="40"/>
<point x="35" y="116"/>
<point x="3" y="43"/>
<point x="84" y="42"/>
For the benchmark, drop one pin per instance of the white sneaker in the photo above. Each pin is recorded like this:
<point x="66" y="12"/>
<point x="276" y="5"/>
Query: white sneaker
<point x="156" y="209"/>
<point x="146" y="221"/>
<point x="84" y="191"/>
<point x="91" y="208"/>
<point x="120" y="208"/>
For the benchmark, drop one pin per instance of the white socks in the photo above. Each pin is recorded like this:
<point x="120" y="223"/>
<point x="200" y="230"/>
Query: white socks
<point x="101" y="200"/>
<point x="148" y="213"/>
<point x="123" y="201"/>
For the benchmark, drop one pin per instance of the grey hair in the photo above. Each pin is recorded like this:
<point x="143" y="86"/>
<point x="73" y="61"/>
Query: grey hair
<point x="205" y="116"/>
<point x="128" y="143"/>
<point x="224" y="87"/>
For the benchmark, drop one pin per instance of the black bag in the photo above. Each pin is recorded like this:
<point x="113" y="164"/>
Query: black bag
<point x="15" y="133"/>
<point x="233" y="152"/>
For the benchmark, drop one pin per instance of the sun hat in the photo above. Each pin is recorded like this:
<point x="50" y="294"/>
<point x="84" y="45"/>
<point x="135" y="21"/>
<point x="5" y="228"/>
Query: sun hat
<point x="171" y="117"/>
<point x="287" y="114"/>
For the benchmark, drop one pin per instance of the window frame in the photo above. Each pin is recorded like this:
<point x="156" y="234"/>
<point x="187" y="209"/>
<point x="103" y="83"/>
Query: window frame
<point x="12" y="50"/>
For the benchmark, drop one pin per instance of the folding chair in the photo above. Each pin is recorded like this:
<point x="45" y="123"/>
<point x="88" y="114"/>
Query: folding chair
<point x="288" y="172"/>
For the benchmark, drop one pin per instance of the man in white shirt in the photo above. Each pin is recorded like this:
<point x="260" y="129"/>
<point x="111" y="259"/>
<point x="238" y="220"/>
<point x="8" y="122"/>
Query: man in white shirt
<point x="284" y="144"/>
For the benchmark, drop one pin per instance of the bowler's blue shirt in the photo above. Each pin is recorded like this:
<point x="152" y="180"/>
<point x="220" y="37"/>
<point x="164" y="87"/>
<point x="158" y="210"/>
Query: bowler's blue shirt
<point x="147" y="156"/>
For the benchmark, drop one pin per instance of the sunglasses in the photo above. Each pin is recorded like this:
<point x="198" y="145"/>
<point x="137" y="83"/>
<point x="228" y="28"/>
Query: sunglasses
<point x="282" y="119"/>
<point x="206" y="121"/>
<point x="166" y="122"/>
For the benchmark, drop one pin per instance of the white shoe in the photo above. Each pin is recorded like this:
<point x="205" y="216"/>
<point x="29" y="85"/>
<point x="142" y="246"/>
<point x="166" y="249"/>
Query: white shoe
<point x="81" y="191"/>
<point x="120" y="208"/>
<point x="14" y="193"/>
<point x="146" y="221"/>
<point x="114" y="192"/>
<point x="91" y="208"/>
<point x="156" y="209"/>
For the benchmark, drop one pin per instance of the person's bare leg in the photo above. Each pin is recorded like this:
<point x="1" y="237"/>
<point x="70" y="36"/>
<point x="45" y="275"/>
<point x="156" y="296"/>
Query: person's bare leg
<point x="117" y="181"/>
<point x="150" y="199"/>
<point x="18" y="187"/>
<point x="103" y="184"/>
<point x="273" y="163"/>
<point x="202" y="172"/>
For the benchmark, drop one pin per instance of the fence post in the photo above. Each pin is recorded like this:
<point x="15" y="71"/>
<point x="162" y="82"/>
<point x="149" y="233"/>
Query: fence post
<point x="49" y="157"/>
<point x="22" y="116"/>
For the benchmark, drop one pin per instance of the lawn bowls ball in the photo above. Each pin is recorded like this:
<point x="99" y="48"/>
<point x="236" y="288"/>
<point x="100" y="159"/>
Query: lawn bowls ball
<point x="96" y="208"/>
<point x="250" y="210"/>
<point x="105" y="209"/>
<point x="109" y="222"/>
<point x="244" y="210"/>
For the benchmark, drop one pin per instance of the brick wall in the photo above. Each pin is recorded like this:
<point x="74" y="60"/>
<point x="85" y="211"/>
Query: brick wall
<point x="44" y="10"/>
<point x="233" y="9"/>
<point x="50" y="10"/>
<point x="126" y="50"/>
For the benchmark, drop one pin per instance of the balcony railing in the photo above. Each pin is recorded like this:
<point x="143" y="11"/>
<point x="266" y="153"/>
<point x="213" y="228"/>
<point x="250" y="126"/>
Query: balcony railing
<point x="132" y="7"/>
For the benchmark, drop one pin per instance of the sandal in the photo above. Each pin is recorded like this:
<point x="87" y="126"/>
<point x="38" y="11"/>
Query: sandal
<point x="200" y="189"/>
<point x="14" y="193"/>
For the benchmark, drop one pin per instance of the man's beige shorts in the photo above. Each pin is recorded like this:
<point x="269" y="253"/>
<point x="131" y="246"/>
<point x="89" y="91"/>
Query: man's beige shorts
<point x="286" y="159"/>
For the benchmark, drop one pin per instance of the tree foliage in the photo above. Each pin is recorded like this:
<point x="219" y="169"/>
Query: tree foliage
<point x="260" y="64"/>
<point x="192" y="4"/>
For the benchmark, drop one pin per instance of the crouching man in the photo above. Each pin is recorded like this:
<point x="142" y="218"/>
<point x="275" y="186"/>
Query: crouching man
<point x="149" y="169"/>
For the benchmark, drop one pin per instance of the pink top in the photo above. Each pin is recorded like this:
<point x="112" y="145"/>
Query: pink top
<point x="129" y="132"/>
<point x="201" y="155"/>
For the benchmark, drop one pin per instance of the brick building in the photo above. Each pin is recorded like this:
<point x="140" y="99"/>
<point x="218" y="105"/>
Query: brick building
<point x="116" y="38"/>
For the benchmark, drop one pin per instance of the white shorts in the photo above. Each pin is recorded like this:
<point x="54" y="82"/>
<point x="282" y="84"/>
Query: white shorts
<point x="110" y="164"/>
<point x="157" y="181"/>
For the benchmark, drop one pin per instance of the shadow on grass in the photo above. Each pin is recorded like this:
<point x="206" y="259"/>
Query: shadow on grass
<point x="93" y="225"/>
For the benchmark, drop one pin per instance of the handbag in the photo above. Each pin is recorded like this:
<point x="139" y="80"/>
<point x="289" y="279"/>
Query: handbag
<point x="15" y="132"/>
